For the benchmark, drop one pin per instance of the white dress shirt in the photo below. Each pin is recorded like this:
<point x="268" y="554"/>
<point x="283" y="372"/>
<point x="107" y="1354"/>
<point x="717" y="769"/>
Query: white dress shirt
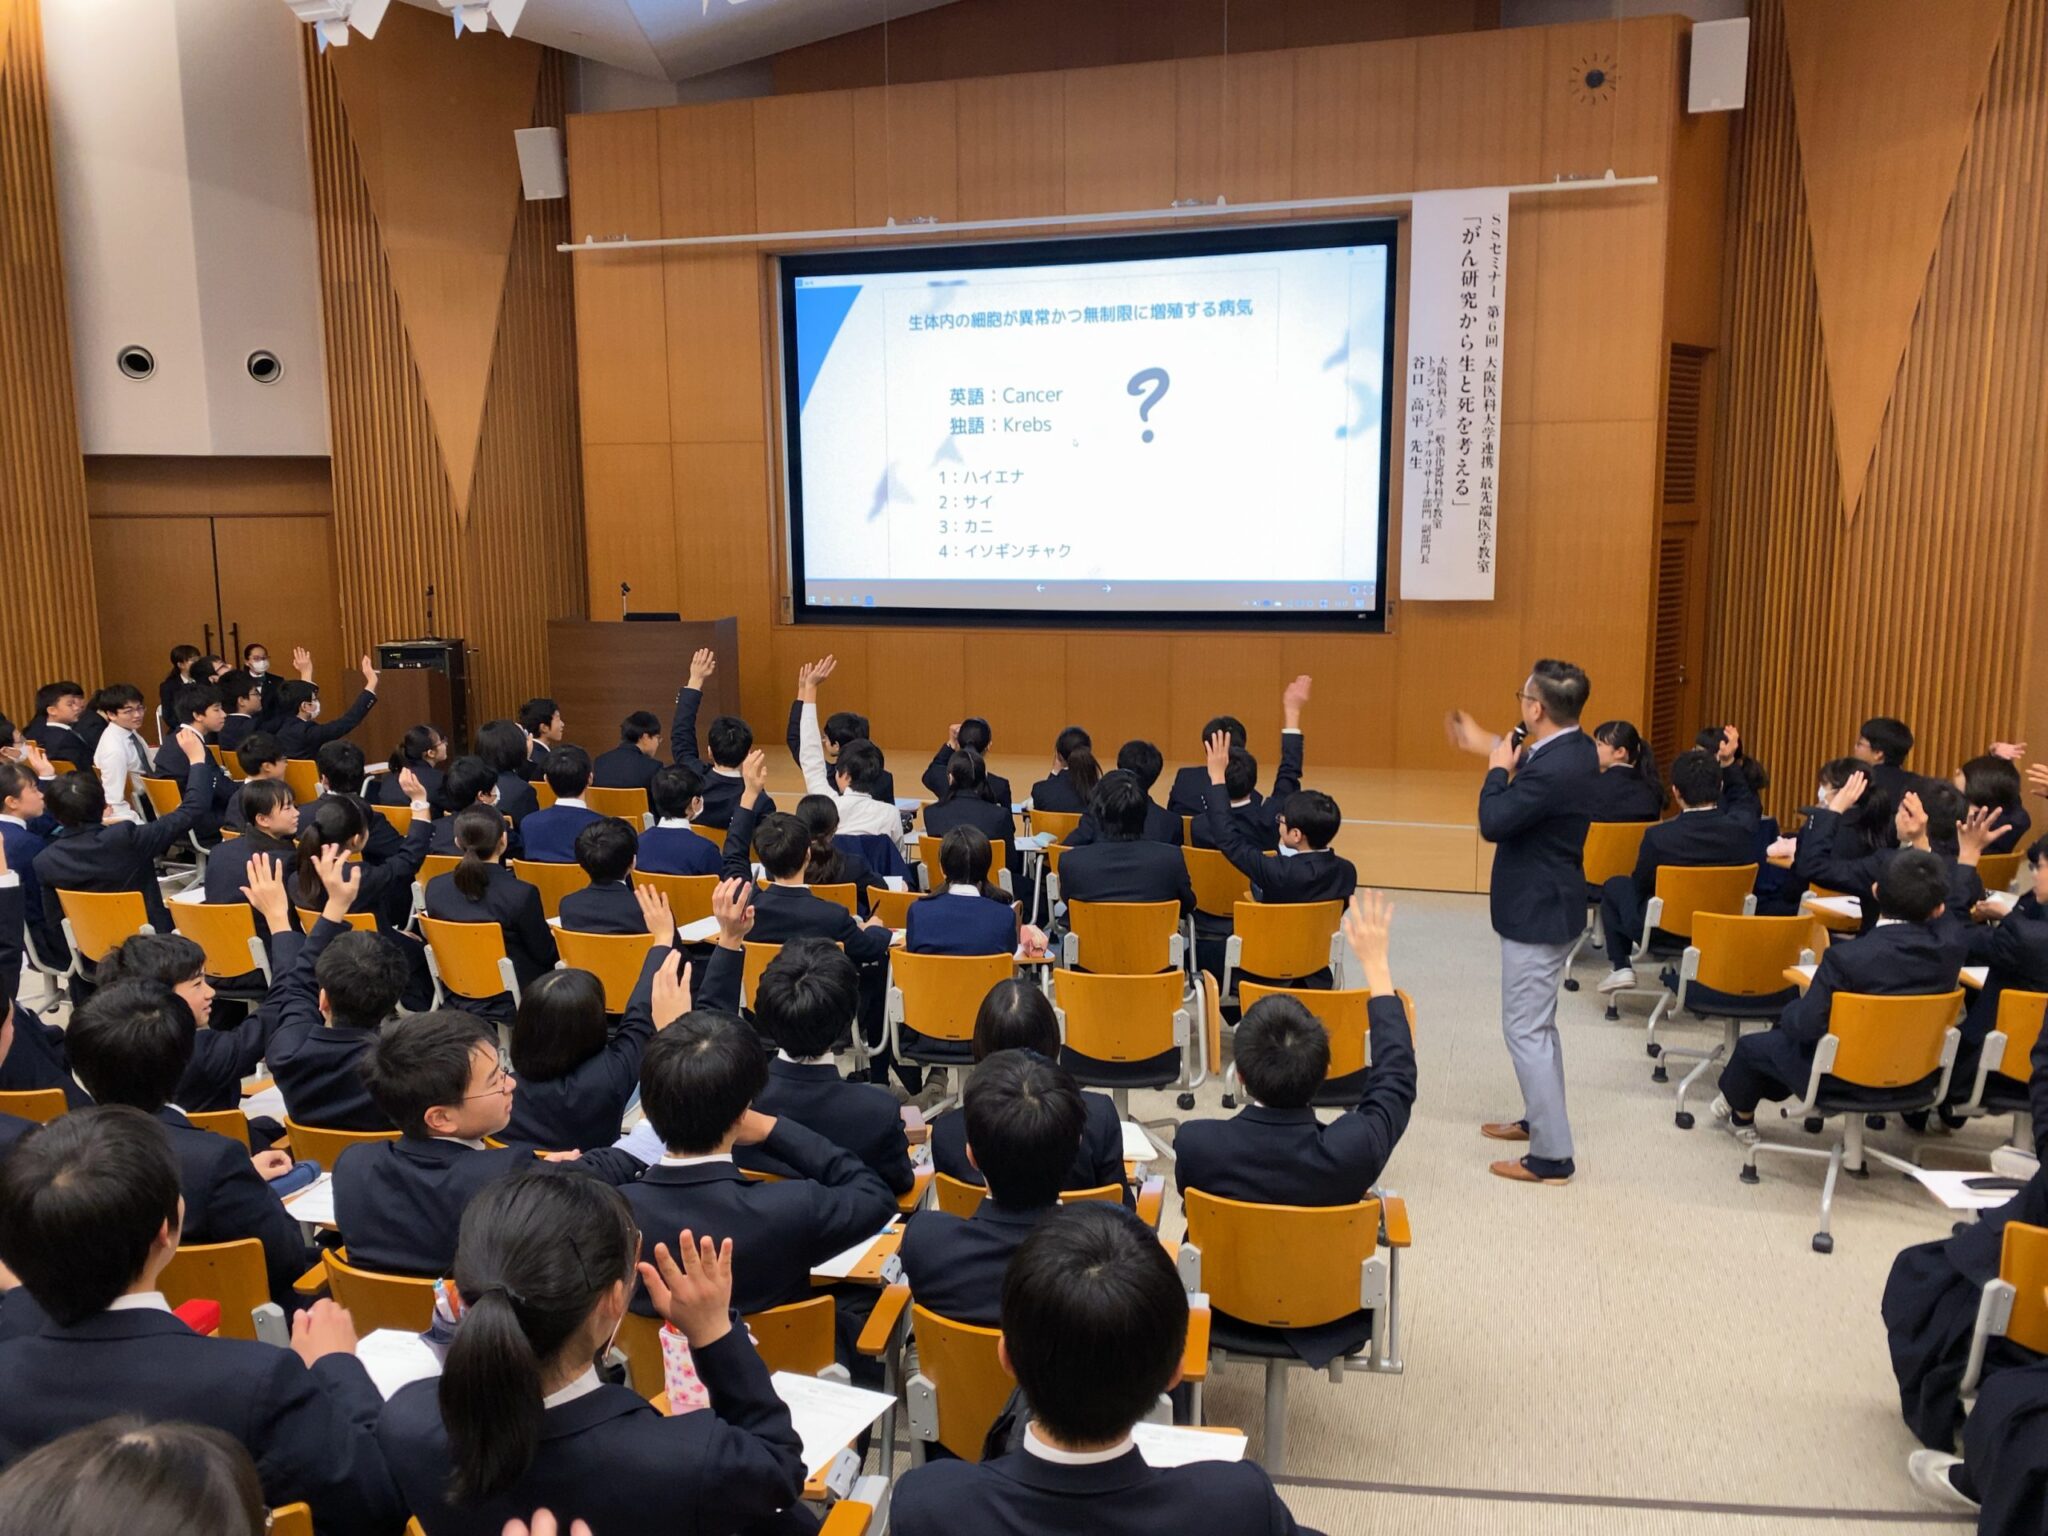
<point x="1034" y="1446"/>
<point x="858" y="813"/>
<point x="117" y="761"/>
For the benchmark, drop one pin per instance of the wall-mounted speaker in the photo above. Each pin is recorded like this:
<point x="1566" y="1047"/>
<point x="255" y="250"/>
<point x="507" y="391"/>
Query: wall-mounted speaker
<point x="542" y="170"/>
<point x="1720" y="66"/>
<point x="135" y="362"/>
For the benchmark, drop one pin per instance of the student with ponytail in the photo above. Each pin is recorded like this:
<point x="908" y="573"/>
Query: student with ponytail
<point x="1628" y="787"/>
<point x="831" y="864"/>
<point x="423" y="750"/>
<point x="341" y="821"/>
<point x="481" y="889"/>
<point x="1069" y="786"/>
<point x="520" y="1419"/>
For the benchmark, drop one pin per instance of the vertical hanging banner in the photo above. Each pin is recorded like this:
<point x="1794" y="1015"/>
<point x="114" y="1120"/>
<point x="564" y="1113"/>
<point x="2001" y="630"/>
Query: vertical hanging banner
<point x="1457" y="325"/>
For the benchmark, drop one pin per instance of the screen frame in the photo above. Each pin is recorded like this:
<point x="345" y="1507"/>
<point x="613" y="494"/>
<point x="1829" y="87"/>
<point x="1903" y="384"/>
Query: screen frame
<point x="1237" y="239"/>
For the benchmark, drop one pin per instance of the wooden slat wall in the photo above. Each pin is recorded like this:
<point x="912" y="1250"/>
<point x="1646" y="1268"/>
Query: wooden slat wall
<point x="1928" y="606"/>
<point x="513" y="558"/>
<point x="51" y="629"/>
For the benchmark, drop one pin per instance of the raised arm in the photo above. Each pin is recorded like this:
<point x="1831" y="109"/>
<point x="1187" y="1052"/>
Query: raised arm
<point x="318" y="736"/>
<point x="733" y="905"/>
<point x="810" y="754"/>
<point x="682" y="734"/>
<point x="1293" y="700"/>
<point x="1365" y="1136"/>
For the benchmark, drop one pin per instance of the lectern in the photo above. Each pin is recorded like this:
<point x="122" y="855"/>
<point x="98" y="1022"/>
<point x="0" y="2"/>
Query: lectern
<point x="600" y="672"/>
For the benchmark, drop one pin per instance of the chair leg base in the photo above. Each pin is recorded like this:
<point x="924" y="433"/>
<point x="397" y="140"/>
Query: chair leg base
<point x="1823" y="1243"/>
<point x="1571" y="983"/>
<point x="1750" y="1175"/>
<point x="1683" y="1120"/>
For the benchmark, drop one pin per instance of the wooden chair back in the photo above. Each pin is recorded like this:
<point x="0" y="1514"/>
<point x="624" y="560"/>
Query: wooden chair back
<point x="2023" y="1264"/>
<point x="231" y="1123"/>
<point x="437" y="864"/>
<point x="1997" y="870"/>
<point x="1688" y="890"/>
<point x="1219" y="884"/>
<point x="543" y="794"/>
<point x="1342" y="1014"/>
<point x="225" y="930"/>
<point x="1748" y="956"/>
<point x="928" y="856"/>
<point x="323" y="1144"/>
<point x="1611" y="849"/>
<point x="362" y="922"/>
<point x="942" y="994"/>
<point x="303" y="777"/>
<point x="842" y="893"/>
<point x="629" y="805"/>
<point x="956" y="1197"/>
<point x="797" y="1337"/>
<point x="400" y="817"/>
<point x="165" y="795"/>
<point x="41" y="1105"/>
<point x="229" y="1273"/>
<point x="2019" y="1020"/>
<point x="715" y="834"/>
<point x="968" y="1378"/>
<point x="99" y="920"/>
<point x="553" y="881"/>
<point x="1285" y="939"/>
<point x="893" y="907"/>
<point x="1887" y="1042"/>
<point x="1118" y="1018"/>
<point x="615" y="959"/>
<point x="466" y="955"/>
<point x="1281" y="1266"/>
<point x="1125" y="938"/>
<point x="754" y="960"/>
<point x="689" y="896"/>
<point x="1187" y="830"/>
<point x="297" y="1520"/>
<point x="404" y="1302"/>
<point x="229" y="763"/>
<point x="1058" y="823"/>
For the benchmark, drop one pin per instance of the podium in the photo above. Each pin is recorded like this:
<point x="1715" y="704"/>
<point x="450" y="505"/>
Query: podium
<point x="600" y="671"/>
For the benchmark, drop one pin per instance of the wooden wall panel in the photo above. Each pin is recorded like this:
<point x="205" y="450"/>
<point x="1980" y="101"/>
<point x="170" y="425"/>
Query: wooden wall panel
<point x="51" y="630"/>
<point x="622" y="380"/>
<point x="515" y="558"/>
<point x="1119" y="137"/>
<point x="1012" y="138"/>
<point x="906" y="154"/>
<point x="1236" y="120"/>
<point x="803" y="161"/>
<point x="1926" y="606"/>
<point x="1354" y="120"/>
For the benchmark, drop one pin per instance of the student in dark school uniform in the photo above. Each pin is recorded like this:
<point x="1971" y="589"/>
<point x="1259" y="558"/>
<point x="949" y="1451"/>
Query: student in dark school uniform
<point x="634" y="762"/>
<point x="342" y="773"/>
<point x="386" y="888"/>
<point x="198" y="705"/>
<point x="502" y="745"/>
<point x="1628" y="788"/>
<point x="1070" y="785"/>
<point x="60" y="725"/>
<point x="669" y="847"/>
<point x="180" y="676"/>
<point x="967" y="915"/>
<point x="605" y="850"/>
<point x="470" y="781"/>
<point x="1992" y="782"/>
<point x="298" y="730"/>
<point x="545" y="729"/>
<point x="729" y="739"/>
<point x="1142" y="762"/>
<point x="549" y="834"/>
<point x="225" y="1049"/>
<point x="974" y="735"/>
<point x="969" y="800"/>
<point x="260" y="757"/>
<point x="831" y="862"/>
<point x="1125" y="864"/>
<point x="423" y="750"/>
<point x="243" y="697"/>
<point x="88" y="853"/>
<point x="22" y="819"/>
<point x="1256" y="815"/>
<point x="481" y="889"/>
<point x="273" y="830"/>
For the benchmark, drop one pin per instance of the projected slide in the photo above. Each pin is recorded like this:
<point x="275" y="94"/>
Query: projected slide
<point x="1152" y="427"/>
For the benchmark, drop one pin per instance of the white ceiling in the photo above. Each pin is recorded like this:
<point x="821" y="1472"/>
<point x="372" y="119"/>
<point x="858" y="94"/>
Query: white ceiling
<point x="681" y="39"/>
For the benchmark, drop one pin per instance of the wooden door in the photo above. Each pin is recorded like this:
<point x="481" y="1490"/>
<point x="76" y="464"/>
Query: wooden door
<point x="277" y="587"/>
<point x="156" y="589"/>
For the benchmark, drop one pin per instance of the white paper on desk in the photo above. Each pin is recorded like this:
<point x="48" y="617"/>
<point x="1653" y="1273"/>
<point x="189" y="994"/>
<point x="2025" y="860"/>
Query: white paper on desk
<point x="1170" y="1445"/>
<point x="1019" y="807"/>
<point x="191" y="896"/>
<point x="1841" y="906"/>
<point x="702" y="931"/>
<point x="829" y="1415"/>
<point x="1138" y="1146"/>
<point x="844" y="1262"/>
<point x="2003" y="901"/>
<point x="1974" y="976"/>
<point x="1037" y="841"/>
<point x="395" y="1358"/>
<point x="269" y="1102"/>
<point x="314" y="1203"/>
<point x="1946" y="1185"/>
<point x="1806" y="972"/>
<point x="896" y="882"/>
<point x="905" y="803"/>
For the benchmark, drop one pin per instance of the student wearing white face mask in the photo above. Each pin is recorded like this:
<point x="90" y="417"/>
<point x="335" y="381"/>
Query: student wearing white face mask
<point x="299" y="701"/>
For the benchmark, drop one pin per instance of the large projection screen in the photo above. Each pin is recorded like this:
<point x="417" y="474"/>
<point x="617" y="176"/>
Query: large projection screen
<point x="1177" y="429"/>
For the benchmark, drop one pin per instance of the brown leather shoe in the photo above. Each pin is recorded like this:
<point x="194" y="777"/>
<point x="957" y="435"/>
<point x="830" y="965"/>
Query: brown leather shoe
<point x="1517" y="1170"/>
<point x="1505" y="1130"/>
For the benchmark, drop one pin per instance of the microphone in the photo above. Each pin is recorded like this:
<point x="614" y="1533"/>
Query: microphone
<point x="624" y="591"/>
<point x="430" y="611"/>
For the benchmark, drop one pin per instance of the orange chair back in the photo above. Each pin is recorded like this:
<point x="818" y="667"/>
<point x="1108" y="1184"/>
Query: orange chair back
<point x="956" y="1197"/>
<point x="1281" y="1266"/>
<point x="101" y="919"/>
<point x="553" y="881"/>
<point x="1058" y="823"/>
<point x="437" y="864"/>
<point x="1187" y="830"/>
<point x="842" y="893"/>
<point x="928" y="856"/>
<point x="1219" y="884"/>
<point x="689" y="896"/>
<point x="543" y="794"/>
<point x="303" y="776"/>
<point x="400" y="817"/>
<point x="1690" y="890"/>
<point x="229" y="1273"/>
<point x="754" y="960"/>
<point x="1748" y="956"/>
<point x="1341" y="1013"/>
<point x="41" y="1105"/>
<point x="893" y="907"/>
<point x="615" y="959"/>
<point x="1887" y="1042"/>
<point x="971" y="1384"/>
<point x="1118" y="1018"/>
<point x="323" y="1145"/>
<point x="715" y="834"/>
<point x="378" y="1300"/>
<point x="2023" y="1264"/>
<point x="230" y="764"/>
<point x="629" y="805"/>
<point x="362" y="922"/>
<point x="640" y="1342"/>
<point x="1611" y="849"/>
<point x="466" y="955"/>
<point x="2019" y="1020"/>
<point x="231" y="1123"/>
<point x="165" y="795"/>
<point x="1996" y="870"/>
<point x="798" y="1337"/>
<point x="942" y="994"/>
<point x="297" y="1520"/>
<point x="1126" y="938"/>
<point x="1054" y="852"/>
<point x="1285" y="939"/>
<point x="225" y="930"/>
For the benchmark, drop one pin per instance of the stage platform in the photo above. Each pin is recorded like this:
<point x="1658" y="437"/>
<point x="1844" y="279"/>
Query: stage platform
<point x="1404" y="829"/>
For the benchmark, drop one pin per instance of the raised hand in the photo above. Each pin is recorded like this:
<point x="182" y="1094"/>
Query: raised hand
<point x="193" y="742"/>
<point x="342" y="879"/>
<point x="302" y="663"/>
<point x="754" y="772"/>
<point x="1293" y="700"/>
<point x="657" y="914"/>
<point x="1977" y="831"/>
<point x="732" y="903"/>
<point x="1911" y="819"/>
<point x="1216" y="753"/>
<point x="671" y="991"/>
<point x="702" y="665"/>
<point x="1730" y="746"/>
<point x="2037" y="778"/>
<point x="953" y="736"/>
<point x="1367" y="923"/>
<point x="369" y="674"/>
<point x="1467" y="734"/>
<point x="696" y="1295"/>
<point x="266" y="893"/>
<point x="2011" y="751"/>
<point x="38" y="763"/>
<point x="544" y="1524"/>
<point x="1850" y="792"/>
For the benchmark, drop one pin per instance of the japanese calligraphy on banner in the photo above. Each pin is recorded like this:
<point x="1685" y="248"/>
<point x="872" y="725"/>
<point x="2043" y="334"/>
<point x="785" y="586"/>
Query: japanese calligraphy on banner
<point x="1457" y="323"/>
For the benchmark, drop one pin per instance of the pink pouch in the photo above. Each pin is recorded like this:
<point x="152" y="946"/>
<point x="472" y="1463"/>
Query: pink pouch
<point x="686" y="1391"/>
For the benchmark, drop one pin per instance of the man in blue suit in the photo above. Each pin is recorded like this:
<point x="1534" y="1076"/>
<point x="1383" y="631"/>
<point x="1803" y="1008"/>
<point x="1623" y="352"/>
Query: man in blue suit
<point x="1533" y="808"/>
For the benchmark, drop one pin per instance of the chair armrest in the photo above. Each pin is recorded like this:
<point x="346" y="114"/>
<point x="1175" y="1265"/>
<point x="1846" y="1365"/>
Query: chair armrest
<point x="261" y="1085"/>
<point x="881" y="1324"/>
<point x="1151" y="1198"/>
<point x="921" y="1181"/>
<point x="659" y="1403"/>
<point x="1194" y="1356"/>
<point x="312" y="1283"/>
<point x="1394" y="1222"/>
<point x="847" y="1518"/>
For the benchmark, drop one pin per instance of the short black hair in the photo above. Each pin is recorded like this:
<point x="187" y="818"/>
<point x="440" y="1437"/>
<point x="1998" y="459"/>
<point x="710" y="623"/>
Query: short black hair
<point x="237" y="686"/>
<point x="1562" y="688"/>
<point x="1890" y="738"/>
<point x="1024" y="1122"/>
<point x="77" y="799"/>
<point x="115" y="697"/>
<point x="1094" y="1321"/>
<point x="502" y="744"/>
<point x="638" y="726"/>
<point x="975" y="734"/>
<point x="1696" y="775"/>
<point x="81" y="1201"/>
<point x="296" y="695"/>
<point x="1282" y="1052"/>
<point x="861" y="761"/>
<point x="467" y="781"/>
<point x="730" y="739"/>
<point x="845" y="725"/>
<point x="559" y="1026"/>
<point x="1240" y="774"/>
<point x="131" y="1044"/>
<point x="52" y="693"/>
<point x="1119" y="806"/>
<point x="341" y="764"/>
<point x="169" y="958"/>
<point x="192" y="701"/>
<point x="535" y="713"/>
<point x="1229" y="723"/>
<point x="672" y="790"/>
<point x="568" y="771"/>
<point x="258" y="750"/>
<point x="1314" y="815"/>
<point x="1142" y="761"/>
<point x="15" y="778"/>
<point x="1945" y="808"/>
<point x="363" y="975"/>
<point x="264" y="797"/>
<point x="698" y="1077"/>
<point x="421" y="1061"/>
<point x="782" y="843"/>
<point x="1912" y="884"/>
<point x="1016" y="1016"/>
<point x="807" y="997"/>
<point x="1991" y="782"/>
<point x="606" y="849"/>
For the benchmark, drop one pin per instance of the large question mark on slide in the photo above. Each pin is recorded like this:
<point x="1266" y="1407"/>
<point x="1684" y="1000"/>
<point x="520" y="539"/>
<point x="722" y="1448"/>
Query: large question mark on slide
<point x="1159" y="381"/>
